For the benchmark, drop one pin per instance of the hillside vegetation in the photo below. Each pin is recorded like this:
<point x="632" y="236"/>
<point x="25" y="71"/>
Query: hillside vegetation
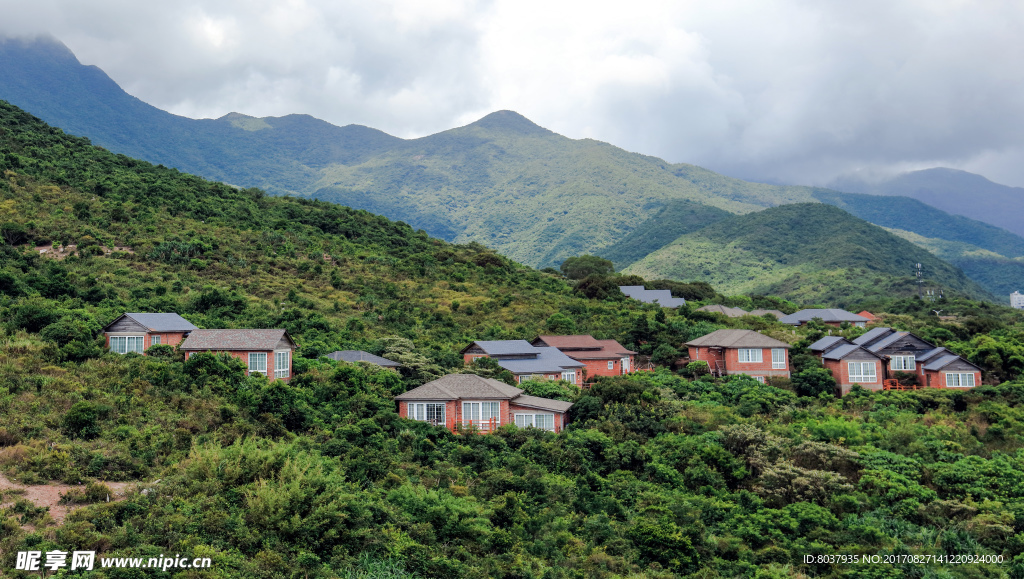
<point x="661" y="474"/>
<point x="804" y="252"/>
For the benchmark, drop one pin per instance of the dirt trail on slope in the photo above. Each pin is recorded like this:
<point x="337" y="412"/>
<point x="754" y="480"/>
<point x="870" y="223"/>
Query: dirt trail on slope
<point x="48" y="495"/>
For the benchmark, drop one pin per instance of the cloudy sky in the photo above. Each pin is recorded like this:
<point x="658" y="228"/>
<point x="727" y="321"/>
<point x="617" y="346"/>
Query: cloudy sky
<point x="794" y="91"/>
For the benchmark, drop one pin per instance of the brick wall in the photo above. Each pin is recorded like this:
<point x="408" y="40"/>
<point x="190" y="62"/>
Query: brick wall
<point x="243" y="355"/>
<point x="841" y="372"/>
<point x="934" y="379"/>
<point x="762" y="368"/>
<point x="167" y="338"/>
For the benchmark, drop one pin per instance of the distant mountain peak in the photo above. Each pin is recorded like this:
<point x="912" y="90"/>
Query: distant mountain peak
<point x="510" y="121"/>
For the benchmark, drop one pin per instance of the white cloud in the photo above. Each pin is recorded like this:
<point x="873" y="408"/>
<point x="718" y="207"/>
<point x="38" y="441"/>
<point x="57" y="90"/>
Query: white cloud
<point x="784" y="90"/>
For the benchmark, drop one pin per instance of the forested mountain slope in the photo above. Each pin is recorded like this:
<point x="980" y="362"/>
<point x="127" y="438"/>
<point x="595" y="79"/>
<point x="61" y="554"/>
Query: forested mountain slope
<point x="657" y="476"/>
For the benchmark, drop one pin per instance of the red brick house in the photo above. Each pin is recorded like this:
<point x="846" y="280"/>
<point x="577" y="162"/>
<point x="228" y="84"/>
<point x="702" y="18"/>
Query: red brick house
<point x="600" y="357"/>
<point x="136" y="332"/>
<point x="526" y="361"/>
<point x="459" y="401"/>
<point x="897" y="353"/>
<point x="850" y="364"/>
<point x="741" y="352"/>
<point x="268" y="352"/>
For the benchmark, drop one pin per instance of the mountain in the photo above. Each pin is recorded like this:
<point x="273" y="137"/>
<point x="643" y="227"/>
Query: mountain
<point x="503" y="181"/>
<point x="954" y="191"/>
<point x="806" y="252"/>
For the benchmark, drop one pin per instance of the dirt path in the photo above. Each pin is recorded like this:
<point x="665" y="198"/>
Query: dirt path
<point x="48" y="496"/>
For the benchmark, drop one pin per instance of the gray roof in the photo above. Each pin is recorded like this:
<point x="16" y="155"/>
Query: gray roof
<point x="737" y="339"/>
<point x="504" y="347"/>
<point x="462" y="387"/>
<point x="548" y="360"/>
<point x="360" y="356"/>
<point x="775" y="313"/>
<point x="844" y="350"/>
<point x="160" y="322"/>
<point x="931" y="354"/>
<point x="829" y="315"/>
<point x="942" y="362"/>
<point x="235" y="340"/>
<point x="872" y="335"/>
<point x="726" y="310"/>
<point x="825" y="343"/>
<point x="880" y="344"/>
<point x="542" y="403"/>
<point x="661" y="297"/>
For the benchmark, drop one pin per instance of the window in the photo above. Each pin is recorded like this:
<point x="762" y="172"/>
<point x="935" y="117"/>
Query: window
<point x="903" y="363"/>
<point x="258" y="362"/>
<point x="863" y="372"/>
<point x="778" y="358"/>
<point x="481" y="414"/>
<point x="525" y="377"/>
<point x="282" y="364"/>
<point x="569" y="376"/>
<point x="154" y="340"/>
<point x="125" y="344"/>
<point x="542" y="421"/>
<point x="432" y="412"/>
<point x="759" y="379"/>
<point x="750" y="354"/>
<point x="611" y="364"/>
<point x="960" y="380"/>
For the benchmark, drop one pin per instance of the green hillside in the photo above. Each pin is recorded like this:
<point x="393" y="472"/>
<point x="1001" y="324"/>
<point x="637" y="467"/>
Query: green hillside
<point x="657" y="476"/>
<point x="804" y="252"/>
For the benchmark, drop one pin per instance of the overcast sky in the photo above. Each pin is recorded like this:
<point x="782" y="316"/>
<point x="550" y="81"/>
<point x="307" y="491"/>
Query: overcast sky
<point x="794" y="91"/>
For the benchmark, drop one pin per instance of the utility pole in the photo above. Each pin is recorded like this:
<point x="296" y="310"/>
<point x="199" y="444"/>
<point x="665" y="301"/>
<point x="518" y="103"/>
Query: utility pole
<point x="920" y="280"/>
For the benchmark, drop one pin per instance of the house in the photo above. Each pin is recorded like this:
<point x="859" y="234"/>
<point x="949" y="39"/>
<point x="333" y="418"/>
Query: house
<point x="600" y="357"/>
<point x="526" y="361"/>
<point x="741" y="352"/>
<point x="831" y="317"/>
<point x="876" y="360"/>
<point x="360" y="356"/>
<point x="724" y="310"/>
<point x="867" y="315"/>
<point x="661" y="297"/>
<point x="268" y="352"/>
<point x="457" y="401"/>
<point x="850" y="363"/>
<point x="138" y="331"/>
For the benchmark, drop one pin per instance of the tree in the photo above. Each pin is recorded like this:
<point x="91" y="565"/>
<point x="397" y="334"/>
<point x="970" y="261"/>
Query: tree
<point x="586" y="265"/>
<point x="561" y="324"/>
<point x="814" y="381"/>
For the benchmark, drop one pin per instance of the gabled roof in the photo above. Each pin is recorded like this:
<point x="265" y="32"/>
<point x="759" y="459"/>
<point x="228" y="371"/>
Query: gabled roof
<point x="737" y="339"/>
<point x="585" y="347"/>
<point x="462" y="387"/>
<point x="845" y="350"/>
<point x="932" y="353"/>
<point x="541" y="403"/>
<point x="239" y="340"/>
<point x="548" y="360"/>
<point x="946" y="360"/>
<point x="867" y="314"/>
<point x="158" y="322"/>
<point x="360" y="356"/>
<point x="829" y="315"/>
<point x="503" y="347"/>
<point x="872" y="335"/>
<point x="893" y="337"/>
<point x="826" y="343"/>
<point x="725" y="310"/>
<point x="662" y="297"/>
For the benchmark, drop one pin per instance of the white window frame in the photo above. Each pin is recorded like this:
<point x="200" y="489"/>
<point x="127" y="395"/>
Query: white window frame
<point x="154" y="341"/>
<point x="859" y="376"/>
<point x="537" y="420"/>
<point x="254" y="362"/>
<point x="962" y="380"/>
<point x="778" y="358"/>
<point x="480" y="412"/>
<point x="903" y="363"/>
<point x="625" y="365"/>
<point x="432" y="412"/>
<point x="758" y="378"/>
<point x="611" y="364"/>
<point x="747" y="355"/>
<point x="569" y="376"/>
<point x="125" y="344"/>
<point x="282" y="370"/>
